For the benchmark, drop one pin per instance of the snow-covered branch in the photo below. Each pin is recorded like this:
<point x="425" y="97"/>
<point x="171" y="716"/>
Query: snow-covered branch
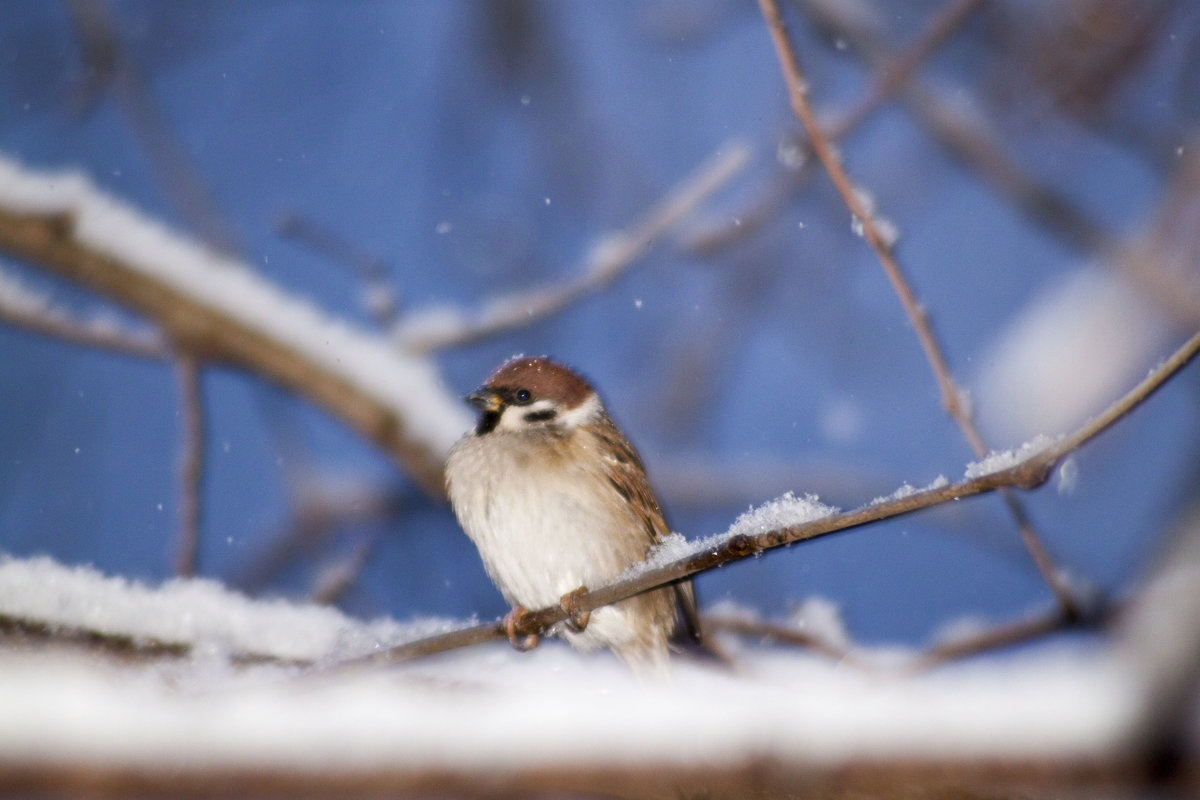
<point x="789" y="519"/>
<point x="218" y="310"/>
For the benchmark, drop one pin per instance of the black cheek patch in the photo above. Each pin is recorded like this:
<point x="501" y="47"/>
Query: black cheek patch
<point x="544" y="415"/>
<point x="488" y="422"/>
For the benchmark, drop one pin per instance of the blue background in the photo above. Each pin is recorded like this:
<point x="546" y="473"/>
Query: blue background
<point x="783" y="362"/>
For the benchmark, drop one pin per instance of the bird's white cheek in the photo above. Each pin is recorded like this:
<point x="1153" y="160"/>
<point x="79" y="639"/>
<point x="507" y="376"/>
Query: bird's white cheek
<point x="512" y="418"/>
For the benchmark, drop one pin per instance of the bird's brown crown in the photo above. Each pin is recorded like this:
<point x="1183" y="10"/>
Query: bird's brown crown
<point x="543" y="378"/>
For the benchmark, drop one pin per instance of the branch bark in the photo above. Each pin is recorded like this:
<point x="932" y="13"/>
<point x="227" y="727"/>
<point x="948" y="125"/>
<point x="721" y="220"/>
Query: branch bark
<point x="415" y="424"/>
<point x="1029" y="473"/>
<point x="952" y="394"/>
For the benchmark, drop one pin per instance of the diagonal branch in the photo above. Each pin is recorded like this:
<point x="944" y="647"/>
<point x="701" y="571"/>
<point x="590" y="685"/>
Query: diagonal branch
<point x="217" y="310"/>
<point x="890" y="78"/>
<point x="895" y="74"/>
<point x="607" y="261"/>
<point x="995" y="473"/>
<point x="952" y="395"/>
<point x="113" y="68"/>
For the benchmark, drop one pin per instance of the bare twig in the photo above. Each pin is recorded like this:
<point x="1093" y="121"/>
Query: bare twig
<point x="335" y="579"/>
<point x="191" y="467"/>
<point x="897" y="72"/>
<point x="952" y="395"/>
<point x="614" y="254"/>
<point x="116" y="70"/>
<point x="984" y="640"/>
<point x="968" y="140"/>
<point x="370" y="269"/>
<point x="782" y="633"/>
<point x="316" y="514"/>
<point x="1028" y="473"/>
<point x="122" y="646"/>
<point x="995" y="637"/>
<point x="890" y="78"/>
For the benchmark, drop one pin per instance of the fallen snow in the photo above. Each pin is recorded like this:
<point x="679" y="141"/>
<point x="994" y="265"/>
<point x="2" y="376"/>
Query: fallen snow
<point x="782" y="512"/>
<point x="489" y="708"/>
<point x="409" y="385"/>
<point x="196" y="612"/>
<point x="997" y="461"/>
<point x="907" y="490"/>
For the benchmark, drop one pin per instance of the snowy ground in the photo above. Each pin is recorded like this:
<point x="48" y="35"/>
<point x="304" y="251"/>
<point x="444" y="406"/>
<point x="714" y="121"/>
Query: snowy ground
<point x="488" y="710"/>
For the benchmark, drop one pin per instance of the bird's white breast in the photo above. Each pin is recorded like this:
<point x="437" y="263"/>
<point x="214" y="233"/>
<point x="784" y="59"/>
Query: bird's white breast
<point x="544" y="521"/>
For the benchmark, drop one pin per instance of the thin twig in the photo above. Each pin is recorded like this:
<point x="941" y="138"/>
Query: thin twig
<point x="952" y="395"/>
<point x="116" y="70"/>
<point x="381" y="295"/>
<point x="215" y="329"/>
<point x="1029" y="473"/>
<point x="191" y="467"/>
<point x="995" y="637"/>
<point x="607" y="260"/>
<point x="22" y="309"/>
<point x="334" y="580"/>
<point x="967" y="139"/>
<point x="897" y="71"/>
<point x="889" y="79"/>
<point x="782" y="633"/>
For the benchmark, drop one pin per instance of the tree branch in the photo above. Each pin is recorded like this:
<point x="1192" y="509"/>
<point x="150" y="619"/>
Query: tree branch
<point x="22" y="308"/>
<point x="216" y="310"/>
<point x="191" y="468"/>
<point x="1029" y="472"/>
<point x="608" y="259"/>
<point x="952" y="394"/>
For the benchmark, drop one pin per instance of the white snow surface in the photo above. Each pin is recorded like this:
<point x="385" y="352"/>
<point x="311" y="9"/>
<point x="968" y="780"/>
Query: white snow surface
<point x="1000" y="460"/>
<point x="489" y="708"/>
<point x="405" y="383"/>
<point x="782" y="512"/>
<point x="907" y="490"/>
<point x="194" y="611"/>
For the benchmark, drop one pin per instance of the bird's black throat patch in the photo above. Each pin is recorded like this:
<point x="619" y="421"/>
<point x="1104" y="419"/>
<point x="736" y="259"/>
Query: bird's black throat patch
<point x="487" y="422"/>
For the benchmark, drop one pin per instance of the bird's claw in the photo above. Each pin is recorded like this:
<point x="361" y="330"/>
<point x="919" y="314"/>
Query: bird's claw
<point x="515" y="628"/>
<point x="577" y="618"/>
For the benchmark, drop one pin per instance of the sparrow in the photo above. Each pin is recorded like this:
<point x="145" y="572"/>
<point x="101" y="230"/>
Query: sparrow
<point x="556" y="500"/>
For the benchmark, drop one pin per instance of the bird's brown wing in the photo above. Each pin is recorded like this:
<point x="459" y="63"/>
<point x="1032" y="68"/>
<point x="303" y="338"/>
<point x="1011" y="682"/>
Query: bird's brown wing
<point x="628" y="478"/>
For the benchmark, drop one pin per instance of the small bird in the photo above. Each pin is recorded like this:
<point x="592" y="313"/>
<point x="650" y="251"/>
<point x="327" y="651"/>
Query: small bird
<point x="557" y="500"/>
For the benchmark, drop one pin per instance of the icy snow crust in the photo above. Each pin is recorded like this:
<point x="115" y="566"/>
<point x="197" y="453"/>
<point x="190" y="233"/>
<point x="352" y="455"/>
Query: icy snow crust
<point x="409" y="385"/>
<point x="489" y="707"/>
<point x="196" y="611"/>
<point x="782" y="512"/>
<point x="1005" y="459"/>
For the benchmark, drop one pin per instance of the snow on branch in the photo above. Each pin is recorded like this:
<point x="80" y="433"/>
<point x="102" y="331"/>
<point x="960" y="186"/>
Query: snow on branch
<point x="531" y="723"/>
<point x="789" y="520"/>
<point x="189" y="616"/>
<point x="446" y="327"/>
<point x="27" y="308"/>
<point x="217" y="309"/>
<point x="551" y="720"/>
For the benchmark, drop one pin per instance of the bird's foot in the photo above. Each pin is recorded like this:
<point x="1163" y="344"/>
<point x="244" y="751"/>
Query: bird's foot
<point x="577" y="618"/>
<point x="515" y="626"/>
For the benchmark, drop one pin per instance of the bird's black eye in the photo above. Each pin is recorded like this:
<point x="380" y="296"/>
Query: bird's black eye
<point x="523" y="397"/>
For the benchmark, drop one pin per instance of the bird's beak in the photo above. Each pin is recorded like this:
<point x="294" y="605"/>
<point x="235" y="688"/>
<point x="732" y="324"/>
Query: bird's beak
<point x="485" y="400"/>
